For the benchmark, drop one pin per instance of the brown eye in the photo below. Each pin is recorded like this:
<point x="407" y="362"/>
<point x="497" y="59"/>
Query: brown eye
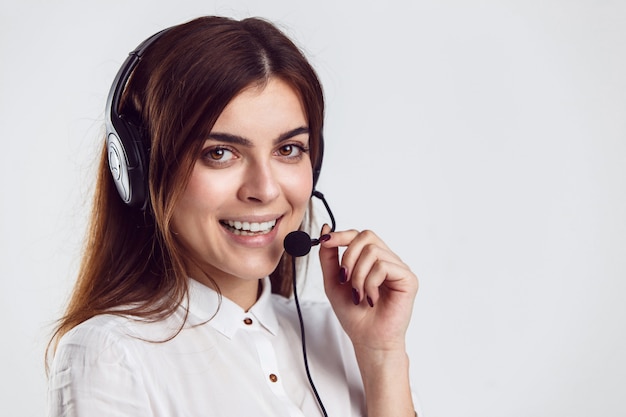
<point x="217" y="155"/>
<point x="292" y="150"/>
<point x="287" y="150"/>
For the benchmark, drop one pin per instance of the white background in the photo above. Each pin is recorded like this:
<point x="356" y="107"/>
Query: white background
<point x="484" y="140"/>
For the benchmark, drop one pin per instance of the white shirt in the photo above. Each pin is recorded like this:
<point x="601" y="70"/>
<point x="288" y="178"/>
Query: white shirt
<point x="225" y="362"/>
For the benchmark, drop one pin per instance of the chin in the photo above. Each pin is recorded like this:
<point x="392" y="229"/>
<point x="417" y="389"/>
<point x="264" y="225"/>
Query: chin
<point x="255" y="269"/>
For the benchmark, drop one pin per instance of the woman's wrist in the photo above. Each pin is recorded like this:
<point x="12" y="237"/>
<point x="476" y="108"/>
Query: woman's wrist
<point x="385" y="374"/>
<point x="374" y="357"/>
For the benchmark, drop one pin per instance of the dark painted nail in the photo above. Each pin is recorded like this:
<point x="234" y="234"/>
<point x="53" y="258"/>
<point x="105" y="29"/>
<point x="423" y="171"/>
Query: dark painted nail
<point x="325" y="237"/>
<point x="343" y="275"/>
<point x="369" y="301"/>
<point x="355" y="297"/>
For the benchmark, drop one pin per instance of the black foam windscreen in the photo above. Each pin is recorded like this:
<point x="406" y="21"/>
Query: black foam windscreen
<point x="297" y="243"/>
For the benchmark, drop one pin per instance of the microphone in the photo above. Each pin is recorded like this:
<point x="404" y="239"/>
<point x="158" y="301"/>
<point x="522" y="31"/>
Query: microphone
<point x="299" y="243"/>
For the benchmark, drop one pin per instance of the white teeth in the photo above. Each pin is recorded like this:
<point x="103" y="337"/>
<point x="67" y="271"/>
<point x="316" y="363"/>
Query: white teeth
<point x="246" y="228"/>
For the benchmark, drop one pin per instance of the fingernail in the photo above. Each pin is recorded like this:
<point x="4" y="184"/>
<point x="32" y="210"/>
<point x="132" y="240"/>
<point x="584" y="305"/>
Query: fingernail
<point x="343" y="275"/>
<point x="355" y="297"/>
<point x="325" y="237"/>
<point x="369" y="301"/>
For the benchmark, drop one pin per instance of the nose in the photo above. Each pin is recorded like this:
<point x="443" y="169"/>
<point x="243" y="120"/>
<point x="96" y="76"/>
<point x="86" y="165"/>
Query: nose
<point x="260" y="183"/>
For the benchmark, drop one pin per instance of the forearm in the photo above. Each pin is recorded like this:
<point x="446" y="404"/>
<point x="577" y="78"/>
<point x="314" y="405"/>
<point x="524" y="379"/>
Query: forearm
<point x="386" y="381"/>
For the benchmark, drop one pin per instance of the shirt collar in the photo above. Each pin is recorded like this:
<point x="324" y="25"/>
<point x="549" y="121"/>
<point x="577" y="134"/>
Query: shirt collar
<point x="227" y="317"/>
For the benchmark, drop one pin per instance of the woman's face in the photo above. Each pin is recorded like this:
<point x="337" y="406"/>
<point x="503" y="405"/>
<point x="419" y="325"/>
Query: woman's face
<point x="249" y="187"/>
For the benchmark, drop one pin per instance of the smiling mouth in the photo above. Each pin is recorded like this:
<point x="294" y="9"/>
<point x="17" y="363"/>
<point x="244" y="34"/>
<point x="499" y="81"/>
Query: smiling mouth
<point x="248" y="228"/>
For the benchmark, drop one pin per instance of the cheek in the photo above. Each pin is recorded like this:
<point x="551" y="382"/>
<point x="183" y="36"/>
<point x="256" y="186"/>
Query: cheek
<point x="198" y="200"/>
<point x="298" y="187"/>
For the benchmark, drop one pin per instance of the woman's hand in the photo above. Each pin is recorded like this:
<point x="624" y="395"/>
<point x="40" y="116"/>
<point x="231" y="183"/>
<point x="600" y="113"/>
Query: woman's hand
<point x="371" y="290"/>
<point x="372" y="293"/>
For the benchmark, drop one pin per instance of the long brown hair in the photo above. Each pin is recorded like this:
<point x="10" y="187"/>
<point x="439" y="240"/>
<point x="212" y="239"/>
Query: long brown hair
<point x="132" y="263"/>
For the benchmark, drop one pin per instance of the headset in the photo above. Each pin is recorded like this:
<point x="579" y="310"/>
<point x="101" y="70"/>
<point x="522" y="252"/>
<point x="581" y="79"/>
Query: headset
<point x="127" y="148"/>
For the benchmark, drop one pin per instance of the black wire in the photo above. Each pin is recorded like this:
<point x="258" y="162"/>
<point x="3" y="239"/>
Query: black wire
<point x="330" y="213"/>
<point x="306" y="361"/>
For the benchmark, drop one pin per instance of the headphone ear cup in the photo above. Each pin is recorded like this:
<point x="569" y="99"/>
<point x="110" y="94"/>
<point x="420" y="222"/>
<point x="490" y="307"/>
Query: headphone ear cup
<point x="128" y="163"/>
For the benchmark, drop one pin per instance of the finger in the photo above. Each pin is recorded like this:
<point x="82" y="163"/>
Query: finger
<point x="393" y="277"/>
<point x="365" y="253"/>
<point x="339" y="239"/>
<point x="329" y="260"/>
<point x="368" y="262"/>
<point x="357" y="244"/>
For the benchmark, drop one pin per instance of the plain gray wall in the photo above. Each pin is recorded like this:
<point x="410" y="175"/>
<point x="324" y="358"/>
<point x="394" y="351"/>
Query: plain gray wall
<point x="484" y="140"/>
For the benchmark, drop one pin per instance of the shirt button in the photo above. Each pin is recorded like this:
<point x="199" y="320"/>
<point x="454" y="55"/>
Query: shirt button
<point x="247" y="321"/>
<point x="273" y="377"/>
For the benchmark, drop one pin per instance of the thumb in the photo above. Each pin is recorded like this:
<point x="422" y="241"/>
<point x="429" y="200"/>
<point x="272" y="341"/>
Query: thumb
<point x="329" y="260"/>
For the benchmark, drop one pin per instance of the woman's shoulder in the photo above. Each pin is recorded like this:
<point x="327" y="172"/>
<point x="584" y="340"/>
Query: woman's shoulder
<point x="94" y="336"/>
<point x="98" y="327"/>
<point x="98" y="364"/>
<point x="111" y="334"/>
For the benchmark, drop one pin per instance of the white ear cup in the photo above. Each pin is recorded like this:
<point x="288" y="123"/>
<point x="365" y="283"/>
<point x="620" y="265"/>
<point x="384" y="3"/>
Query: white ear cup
<point x="118" y="165"/>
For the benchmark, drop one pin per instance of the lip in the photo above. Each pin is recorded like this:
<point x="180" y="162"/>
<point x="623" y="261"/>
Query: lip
<point x="257" y="240"/>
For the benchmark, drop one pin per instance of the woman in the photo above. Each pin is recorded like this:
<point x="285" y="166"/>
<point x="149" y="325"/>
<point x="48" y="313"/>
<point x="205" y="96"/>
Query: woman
<point x="182" y="304"/>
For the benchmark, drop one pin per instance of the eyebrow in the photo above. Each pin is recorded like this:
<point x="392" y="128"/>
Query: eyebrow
<point x="240" y="140"/>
